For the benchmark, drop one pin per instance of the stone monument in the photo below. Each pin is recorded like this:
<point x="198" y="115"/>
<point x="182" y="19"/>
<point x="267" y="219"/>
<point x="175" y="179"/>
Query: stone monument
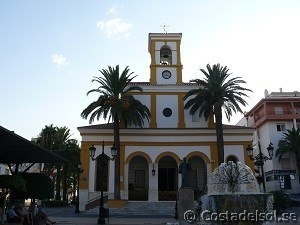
<point x="186" y="193"/>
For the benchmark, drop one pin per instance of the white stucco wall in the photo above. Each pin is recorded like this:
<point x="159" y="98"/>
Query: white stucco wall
<point x="154" y="151"/>
<point x="146" y="100"/>
<point x="166" y="101"/>
<point x="194" y="120"/>
<point x="236" y="150"/>
<point x="171" y="80"/>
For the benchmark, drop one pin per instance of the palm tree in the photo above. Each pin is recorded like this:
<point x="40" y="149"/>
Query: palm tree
<point x="116" y="103"/>
<point x="290" y="144"/>
<point x="216" y="91"/>
<point x="57" y="139"/>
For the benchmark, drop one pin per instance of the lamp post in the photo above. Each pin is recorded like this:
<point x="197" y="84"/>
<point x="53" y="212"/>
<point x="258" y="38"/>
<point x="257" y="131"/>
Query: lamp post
<point x="103" y="158"/>
<point x="260" y="159"/>
<point x="79" y="171"/>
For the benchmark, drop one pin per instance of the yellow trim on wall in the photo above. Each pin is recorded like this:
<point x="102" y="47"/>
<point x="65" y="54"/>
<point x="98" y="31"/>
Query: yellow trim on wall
<point x="165" y="133"/>
<point x="153" y="75"/>
<point x="179" y="75"/>
<point x="181" y="122"/>
<point x="204" y="143"/>
<point x="248" y="161"/>
<point x="171" y="154"/>
<point x="85" y="160"/>
<point x="153" y="123"/>
<point x="178" y="52"/>
<point x="138" y="153"/>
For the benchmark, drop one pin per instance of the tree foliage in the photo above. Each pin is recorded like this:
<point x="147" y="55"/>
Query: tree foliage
<point x="116" y="103"/>
<point x="290" y="144"/>
<point x="57" y="140"/>
<point x="216" y="91"/>
<point x="38" y="186"/>
<point x="12" y="182"/>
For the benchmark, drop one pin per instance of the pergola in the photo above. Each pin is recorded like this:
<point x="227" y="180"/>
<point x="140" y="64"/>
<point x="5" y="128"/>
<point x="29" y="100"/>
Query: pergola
<point x="15" y="149"/>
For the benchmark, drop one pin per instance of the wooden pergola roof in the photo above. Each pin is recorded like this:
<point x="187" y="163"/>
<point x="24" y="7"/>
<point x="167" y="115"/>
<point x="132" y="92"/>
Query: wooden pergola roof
<point x="16" y="149"/>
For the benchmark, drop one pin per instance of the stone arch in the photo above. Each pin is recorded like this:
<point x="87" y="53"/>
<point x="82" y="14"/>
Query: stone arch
<point x="200" y="154"/>
<point x="171" y="154"/>
<point x="166" y="55"/>
<point x="233" y="158"/>
<point x="138" y="153"/>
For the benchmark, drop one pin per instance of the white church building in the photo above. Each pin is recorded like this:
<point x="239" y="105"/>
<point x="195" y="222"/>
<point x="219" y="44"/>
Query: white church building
<point x="150" y="156"/>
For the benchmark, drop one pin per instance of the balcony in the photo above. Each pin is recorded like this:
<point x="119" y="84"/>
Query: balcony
<point x="286" y="115"/>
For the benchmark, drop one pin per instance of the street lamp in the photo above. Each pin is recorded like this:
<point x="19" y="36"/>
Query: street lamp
<point x="79" y="171"/>
<point x="260" y="159"/>
<point x="103" y="159"/>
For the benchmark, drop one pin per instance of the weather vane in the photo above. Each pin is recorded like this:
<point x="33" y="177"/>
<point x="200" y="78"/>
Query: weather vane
<point x="165" y="27"/>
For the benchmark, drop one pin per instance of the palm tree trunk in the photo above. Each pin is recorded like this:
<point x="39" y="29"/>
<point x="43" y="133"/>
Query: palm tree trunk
<point x="117" y="158"/>
<point x="75" y="182"/>
<point x="57" y="185"/>
<point x="65" y="189"/>
<point x="219" y="132"/>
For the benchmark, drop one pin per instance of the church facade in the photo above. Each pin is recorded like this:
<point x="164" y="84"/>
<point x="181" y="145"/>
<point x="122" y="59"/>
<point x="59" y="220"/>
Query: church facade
<point x="149" y="156"/>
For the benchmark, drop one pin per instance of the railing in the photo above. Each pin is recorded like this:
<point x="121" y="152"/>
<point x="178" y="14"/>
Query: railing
<point x="95" y="202"/>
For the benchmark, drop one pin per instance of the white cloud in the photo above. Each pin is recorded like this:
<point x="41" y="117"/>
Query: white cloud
<point x="112" y="10"/>
<point x="115" y="27"/>
<point x="59" y="60"/>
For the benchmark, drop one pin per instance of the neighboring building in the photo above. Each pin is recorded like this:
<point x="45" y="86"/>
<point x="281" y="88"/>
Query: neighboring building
<point x="4" y="169"/>
<point x="171" y="135"/>
<point x="271" y="117"/>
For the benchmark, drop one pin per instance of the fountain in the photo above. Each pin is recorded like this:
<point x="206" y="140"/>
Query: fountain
<point x="234" y="195"/>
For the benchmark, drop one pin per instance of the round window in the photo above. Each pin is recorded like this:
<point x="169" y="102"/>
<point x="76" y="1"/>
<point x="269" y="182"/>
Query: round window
<point x="166" y="74"/>
<point x="167" y="112"/>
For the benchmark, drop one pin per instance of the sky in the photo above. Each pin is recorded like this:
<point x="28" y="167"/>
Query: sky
<point x="51" y="49"/>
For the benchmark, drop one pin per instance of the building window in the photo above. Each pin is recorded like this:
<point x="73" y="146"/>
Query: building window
<point x="165" y="55"/>
<point x="285" y="182"/>
<point x="280" y="126"/>
<point x="167" y="112"/>
<point x="278" y="110"/>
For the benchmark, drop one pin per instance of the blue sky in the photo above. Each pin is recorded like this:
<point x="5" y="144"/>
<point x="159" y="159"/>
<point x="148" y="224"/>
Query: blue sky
<point x="51" y="49"/>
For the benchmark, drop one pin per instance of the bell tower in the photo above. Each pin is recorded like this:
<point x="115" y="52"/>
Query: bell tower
<point x="165" y="67"/>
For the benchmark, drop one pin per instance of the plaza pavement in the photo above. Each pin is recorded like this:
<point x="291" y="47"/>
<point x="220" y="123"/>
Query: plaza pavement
<point x="66" y="216"/>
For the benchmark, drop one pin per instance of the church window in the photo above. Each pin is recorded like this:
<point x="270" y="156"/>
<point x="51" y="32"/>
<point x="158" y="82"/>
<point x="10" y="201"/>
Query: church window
<point x="167" y="112"/>
<point x="165" y="55"/>
<point x="166" y="74"/>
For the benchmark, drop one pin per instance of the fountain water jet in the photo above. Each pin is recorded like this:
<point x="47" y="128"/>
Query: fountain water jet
<point x="233" y="188"/>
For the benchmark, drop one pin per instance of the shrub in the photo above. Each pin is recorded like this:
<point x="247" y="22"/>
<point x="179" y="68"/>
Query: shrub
<point x="281" y="201"/>
<point x="38" y="186"/>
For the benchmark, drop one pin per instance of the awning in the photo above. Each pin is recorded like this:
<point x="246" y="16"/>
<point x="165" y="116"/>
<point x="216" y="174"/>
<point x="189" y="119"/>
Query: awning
<point x="16" y="149"/>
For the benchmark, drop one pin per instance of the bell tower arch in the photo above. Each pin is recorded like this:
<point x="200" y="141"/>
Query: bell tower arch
<point x="165" y="67"/>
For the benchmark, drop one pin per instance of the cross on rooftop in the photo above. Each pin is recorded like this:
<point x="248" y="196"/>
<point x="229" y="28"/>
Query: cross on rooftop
<point x="164" y="26"/>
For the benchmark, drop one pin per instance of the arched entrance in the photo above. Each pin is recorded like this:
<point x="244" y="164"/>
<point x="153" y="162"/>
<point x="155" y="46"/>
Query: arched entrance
<point x="167" y="179"/>
<point x="138" y="179"/>
<point x="197" y="176"/>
